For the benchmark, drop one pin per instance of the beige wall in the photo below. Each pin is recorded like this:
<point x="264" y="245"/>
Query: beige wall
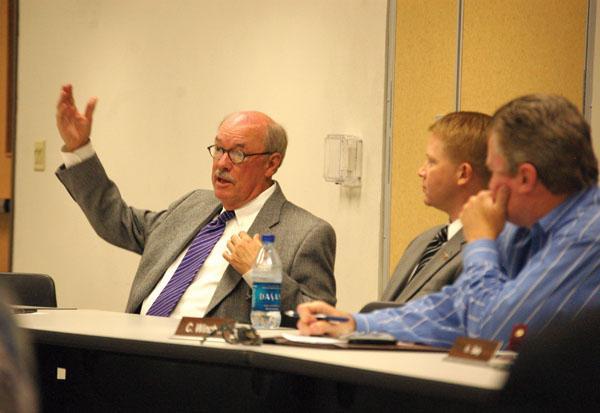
<point x="515" y="47"/>
<point x="166" y="72"/>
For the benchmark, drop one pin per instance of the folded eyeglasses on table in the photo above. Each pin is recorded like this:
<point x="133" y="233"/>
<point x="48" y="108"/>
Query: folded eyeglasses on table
<point x="235" y="334"/>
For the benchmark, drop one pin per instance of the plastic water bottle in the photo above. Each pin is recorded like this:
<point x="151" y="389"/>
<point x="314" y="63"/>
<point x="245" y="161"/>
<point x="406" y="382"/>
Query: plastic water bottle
<point x="266" y="286"/>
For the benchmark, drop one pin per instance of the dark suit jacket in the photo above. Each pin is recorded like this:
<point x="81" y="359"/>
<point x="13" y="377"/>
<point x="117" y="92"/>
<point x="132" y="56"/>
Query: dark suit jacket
<point x="305" y="243"/>
<point x="443" y="269"/>
<point x="18" y="392"/>
<point x="557" y="370"/>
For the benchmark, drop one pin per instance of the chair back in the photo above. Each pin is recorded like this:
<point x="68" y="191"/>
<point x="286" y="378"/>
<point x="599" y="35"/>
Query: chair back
<point x="30" y="289"/>
<point x="378" y="305"/>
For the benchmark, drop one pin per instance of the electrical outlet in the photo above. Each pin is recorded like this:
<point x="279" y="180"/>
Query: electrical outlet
<point x="39" y="155"/>
<point x="61" y="373"/>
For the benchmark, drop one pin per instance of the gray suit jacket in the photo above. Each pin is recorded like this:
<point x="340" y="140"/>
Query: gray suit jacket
<point x="305" y="243"/>
<point x="443" y="268"/>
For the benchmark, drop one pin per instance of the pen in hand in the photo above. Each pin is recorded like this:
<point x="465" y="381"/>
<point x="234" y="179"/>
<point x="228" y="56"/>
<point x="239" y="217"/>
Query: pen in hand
<point x="323" y="317"/>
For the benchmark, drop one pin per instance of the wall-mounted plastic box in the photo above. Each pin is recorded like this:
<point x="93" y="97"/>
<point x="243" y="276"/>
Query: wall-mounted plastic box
<point x="343" y="160"/>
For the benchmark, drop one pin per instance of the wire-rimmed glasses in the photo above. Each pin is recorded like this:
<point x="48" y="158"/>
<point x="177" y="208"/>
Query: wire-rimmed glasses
<point x="237" y="156"/>
<point x="235" y="335"/>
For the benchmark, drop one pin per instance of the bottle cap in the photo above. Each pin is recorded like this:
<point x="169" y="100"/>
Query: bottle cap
<point x="268" y="238"/>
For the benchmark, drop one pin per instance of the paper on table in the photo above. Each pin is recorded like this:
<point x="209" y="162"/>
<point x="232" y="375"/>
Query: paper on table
<point x="30" y="309"/>
<point x="273" y="332"/>
<point x="296" y="338"/>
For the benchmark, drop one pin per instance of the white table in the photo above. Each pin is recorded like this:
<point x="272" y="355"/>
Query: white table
<point x="131" y="348"/>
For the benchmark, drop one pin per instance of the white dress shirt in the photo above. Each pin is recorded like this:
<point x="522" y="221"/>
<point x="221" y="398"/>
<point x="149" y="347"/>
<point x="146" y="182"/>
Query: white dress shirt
<point x="195" y="299"/>
<point x="453" y="228"/>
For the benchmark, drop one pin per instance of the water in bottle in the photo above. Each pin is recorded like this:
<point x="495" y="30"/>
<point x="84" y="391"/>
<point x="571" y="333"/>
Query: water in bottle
<point x="266" y="286"/>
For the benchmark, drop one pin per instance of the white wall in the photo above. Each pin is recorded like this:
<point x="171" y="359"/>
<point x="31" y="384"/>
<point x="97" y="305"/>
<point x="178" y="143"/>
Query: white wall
<point x="166" y="72"/>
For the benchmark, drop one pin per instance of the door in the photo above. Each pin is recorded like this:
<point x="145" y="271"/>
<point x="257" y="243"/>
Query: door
<point x="7" y="65"/>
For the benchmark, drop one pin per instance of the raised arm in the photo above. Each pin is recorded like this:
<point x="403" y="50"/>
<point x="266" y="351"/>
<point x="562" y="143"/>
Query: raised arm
<point x="74" y="127"/>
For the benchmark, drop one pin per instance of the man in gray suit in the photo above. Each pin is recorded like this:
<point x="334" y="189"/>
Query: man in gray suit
<point x="453" y="171"/>
<point x="248" y="149"/>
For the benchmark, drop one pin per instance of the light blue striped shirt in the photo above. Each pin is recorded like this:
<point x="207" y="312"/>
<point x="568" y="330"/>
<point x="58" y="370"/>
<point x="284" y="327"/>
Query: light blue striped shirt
<point x="537" y="277"/>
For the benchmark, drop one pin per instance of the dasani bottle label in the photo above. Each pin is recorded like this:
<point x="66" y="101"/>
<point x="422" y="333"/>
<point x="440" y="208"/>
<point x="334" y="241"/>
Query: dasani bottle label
<point x="267" y="296"/>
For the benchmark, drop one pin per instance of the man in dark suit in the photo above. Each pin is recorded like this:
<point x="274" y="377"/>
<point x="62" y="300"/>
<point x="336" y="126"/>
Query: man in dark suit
<point x="248" y="149"/>
<point x="557" y="370"/>
<point x="453" y="171"/>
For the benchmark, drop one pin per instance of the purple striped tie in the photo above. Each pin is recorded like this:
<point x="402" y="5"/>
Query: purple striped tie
<point x="201" y="246"/>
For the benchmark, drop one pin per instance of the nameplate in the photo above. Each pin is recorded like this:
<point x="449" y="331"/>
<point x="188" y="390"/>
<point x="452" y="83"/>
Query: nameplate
<point x="474" y="349"/>
<point x="201" y="327"/>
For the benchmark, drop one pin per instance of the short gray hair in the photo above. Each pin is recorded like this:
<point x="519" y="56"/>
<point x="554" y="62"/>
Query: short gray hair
<point x="276" y="139"/>
<point x="549" y="132"/>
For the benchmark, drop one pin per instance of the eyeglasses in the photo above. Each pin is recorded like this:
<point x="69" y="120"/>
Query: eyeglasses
<point x="235" y="335"/>
<point x="235" y="155"/>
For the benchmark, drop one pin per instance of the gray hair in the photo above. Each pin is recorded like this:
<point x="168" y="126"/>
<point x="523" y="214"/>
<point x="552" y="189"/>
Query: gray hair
<point x="549" y="132"/>
<point x="276" y="139"/>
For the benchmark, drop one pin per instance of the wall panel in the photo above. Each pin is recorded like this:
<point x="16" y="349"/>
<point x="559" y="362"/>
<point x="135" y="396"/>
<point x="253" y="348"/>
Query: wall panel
<point x="423" y="88"/>
<point x="515" y="47"/>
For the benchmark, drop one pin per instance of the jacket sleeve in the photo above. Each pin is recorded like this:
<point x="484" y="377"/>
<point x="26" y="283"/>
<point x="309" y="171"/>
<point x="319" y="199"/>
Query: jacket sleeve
<point x="101" y="202"/>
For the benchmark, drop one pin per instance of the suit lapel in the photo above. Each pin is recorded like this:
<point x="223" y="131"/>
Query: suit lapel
<point x="266" y="219"/>
<point x="439" y="260"/>
<point x="406" y="264"/>
<point x="269" y="214"/>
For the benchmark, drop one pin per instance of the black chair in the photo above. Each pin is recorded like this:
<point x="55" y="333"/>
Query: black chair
<point x="30" y="289"/>
<point x="558" y="370"/>
<point x="378" y="305"/>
